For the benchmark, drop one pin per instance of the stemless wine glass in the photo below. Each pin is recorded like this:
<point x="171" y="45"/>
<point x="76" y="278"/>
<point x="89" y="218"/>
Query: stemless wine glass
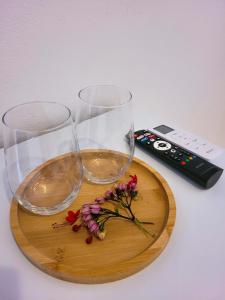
<point x="104" y="123"/>
<point x="42" y="156"/>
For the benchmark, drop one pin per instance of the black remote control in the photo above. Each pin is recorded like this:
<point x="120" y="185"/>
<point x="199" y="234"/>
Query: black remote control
<point x="194" y="167"/>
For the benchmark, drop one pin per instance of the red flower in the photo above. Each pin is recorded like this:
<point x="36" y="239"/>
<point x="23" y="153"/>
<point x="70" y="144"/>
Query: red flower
<point x="72" y="216"/>
<point x="132" y="183"/>
<point x="89" y="239"/>
<point x="75" y="227"/>
<point x="133" y="178"/>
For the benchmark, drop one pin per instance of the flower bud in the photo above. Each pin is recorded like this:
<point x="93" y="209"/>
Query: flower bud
<point x="109" y="194"/>
<point x="122" y="186"/>
<point x="101" y="234"/>
<point x="100" y="200"/>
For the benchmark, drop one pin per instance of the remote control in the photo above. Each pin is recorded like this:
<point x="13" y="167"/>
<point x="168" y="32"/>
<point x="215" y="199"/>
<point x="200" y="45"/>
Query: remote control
<point x="195" y="144"/>
<point x="194" y="167"/>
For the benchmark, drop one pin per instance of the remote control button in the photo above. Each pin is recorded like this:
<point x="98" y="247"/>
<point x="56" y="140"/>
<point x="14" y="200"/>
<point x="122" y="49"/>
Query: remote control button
<point x="152" y="140"/>
<point x="183" y="163"/>
<point x="158" y="138"/>
<point x="172" y="155"/>
<point x="190" y="157"/>
<point x="187" y="160"/>
<point x="166" y="152"/>
<point x="175" y="147"/>
<point x="147" y="134"/>
<point x="135" y="135"/>
<point x="187" y="153"/>
<point x="140" y="137"/>
<point x="180" y="154"/>
<point x="152" y="136"/>
<point x="162" y="145"/>
<point x="173" y="151"/>
<point x="148" y="143"/>
<point x="144" y="139"/>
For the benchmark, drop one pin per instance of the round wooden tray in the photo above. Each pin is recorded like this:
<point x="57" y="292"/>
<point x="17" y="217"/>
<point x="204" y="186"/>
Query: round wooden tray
<point x="125" y="250"/>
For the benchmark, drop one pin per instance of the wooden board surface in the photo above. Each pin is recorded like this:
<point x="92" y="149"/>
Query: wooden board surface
<point x="125" y="250"/>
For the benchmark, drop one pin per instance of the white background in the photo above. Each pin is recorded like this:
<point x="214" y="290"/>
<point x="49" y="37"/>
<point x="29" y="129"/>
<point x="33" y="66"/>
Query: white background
<point x="170" y="54"/>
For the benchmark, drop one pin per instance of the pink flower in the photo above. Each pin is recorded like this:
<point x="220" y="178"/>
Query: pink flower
<point x="100" y="200"/>
<point x="85" y="210"/>
<point x="90" y="223"/>
<point x="87" y="218"/>
<point x="95" y="208"/>
<point x="93" y="226"/>
<point x="122" y="186"/>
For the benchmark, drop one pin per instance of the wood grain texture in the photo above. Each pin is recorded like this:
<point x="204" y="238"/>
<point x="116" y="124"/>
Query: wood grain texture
<point x="125" y="250"/>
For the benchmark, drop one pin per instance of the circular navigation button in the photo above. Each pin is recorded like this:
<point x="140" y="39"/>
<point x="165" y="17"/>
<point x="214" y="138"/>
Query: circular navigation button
<point x="162" y="145"/>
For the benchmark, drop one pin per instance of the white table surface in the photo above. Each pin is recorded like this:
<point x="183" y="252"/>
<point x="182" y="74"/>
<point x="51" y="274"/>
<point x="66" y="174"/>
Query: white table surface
<point x="192" y="266"/>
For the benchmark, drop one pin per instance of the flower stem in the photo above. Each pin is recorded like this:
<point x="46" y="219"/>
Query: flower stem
<point x="139" y="225"/>
<point x="144" y="222"/>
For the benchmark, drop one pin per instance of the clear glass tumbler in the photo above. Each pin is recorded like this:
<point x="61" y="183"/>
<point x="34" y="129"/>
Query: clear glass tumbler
<point x="104" y="124"/>
<point x="42" y="156"/>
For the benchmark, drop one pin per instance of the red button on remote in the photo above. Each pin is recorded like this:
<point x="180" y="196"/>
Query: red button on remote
<point x="183" y="163"/>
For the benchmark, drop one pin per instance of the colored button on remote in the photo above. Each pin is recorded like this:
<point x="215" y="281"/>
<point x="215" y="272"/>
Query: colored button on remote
<point x="144" y="139"/>
<point x="140" y="137"/>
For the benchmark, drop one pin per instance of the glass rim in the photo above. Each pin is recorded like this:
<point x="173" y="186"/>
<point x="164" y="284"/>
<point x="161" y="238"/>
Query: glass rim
<point x="37" y="102"/>
<point x="105" y="106"/>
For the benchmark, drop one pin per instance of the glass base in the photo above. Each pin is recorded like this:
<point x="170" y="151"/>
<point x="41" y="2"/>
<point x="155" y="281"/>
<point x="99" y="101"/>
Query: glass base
<point x="106" y="180"/>
<point x="104" y="166"/>
<point x="47" y="211"/>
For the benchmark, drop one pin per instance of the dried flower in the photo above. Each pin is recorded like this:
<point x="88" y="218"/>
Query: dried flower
<point x="75" y="227"/>
<point x="132" y="183"/>
<point x="100" y="200"/>
<point x="72" y="216"/>
<point x="85" y="210"/>
<point x="93" y="216"/>
<point x="109" y="194"/>
<point x="101" y="234"/>
<point x="86" y="218"/>
<point x="95" y="208"/>
<point x="122" y="186"/>
<point x="89" y="239"/>
<point x="92" y="226"/>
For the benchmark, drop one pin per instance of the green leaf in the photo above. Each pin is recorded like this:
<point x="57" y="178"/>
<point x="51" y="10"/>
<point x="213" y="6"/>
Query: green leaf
<point x="117" y="210"/>
<point x="101" y="227"/>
